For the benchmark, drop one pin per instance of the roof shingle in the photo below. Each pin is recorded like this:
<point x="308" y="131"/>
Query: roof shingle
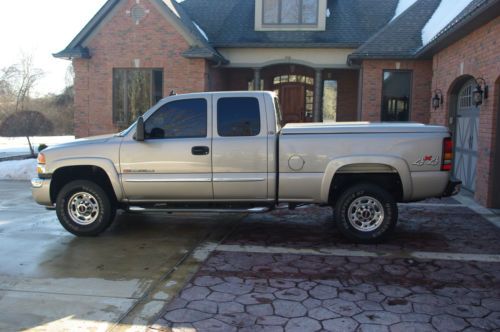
<point x="231" y="23"/>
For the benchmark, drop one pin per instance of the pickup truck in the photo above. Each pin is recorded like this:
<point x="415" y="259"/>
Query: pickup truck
<point x="228" y="152"/>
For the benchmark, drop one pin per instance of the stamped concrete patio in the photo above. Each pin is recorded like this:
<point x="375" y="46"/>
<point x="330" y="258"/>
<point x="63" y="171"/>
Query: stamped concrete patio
<point x="292" y="271"/>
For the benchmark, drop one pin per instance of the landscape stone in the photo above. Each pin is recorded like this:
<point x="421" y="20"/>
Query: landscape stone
<point x="195" y="293"/>
<point x="302" y="324"/>
<point x="213" y="325"/>
<point x="377" y="317"/>
<point x="323" y="292"/>
<point x="448" y="323"/>
<point x="343" y="324"/>
<point x="186" y="316"/>
<point x="289" y="308"/>
<point x="342" y="307"/>
<point x="322" y="314"/>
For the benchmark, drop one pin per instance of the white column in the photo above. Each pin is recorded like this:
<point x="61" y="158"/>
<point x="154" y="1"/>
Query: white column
<point x="256" y="79"/>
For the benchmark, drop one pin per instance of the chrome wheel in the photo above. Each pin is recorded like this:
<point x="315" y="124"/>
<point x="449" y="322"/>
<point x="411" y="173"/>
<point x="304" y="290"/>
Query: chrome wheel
<point x="365" y="214"/>
<point x="83" y="208"/>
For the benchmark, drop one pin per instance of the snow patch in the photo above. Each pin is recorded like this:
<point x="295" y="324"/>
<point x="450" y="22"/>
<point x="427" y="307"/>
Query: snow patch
<point x="15" y="146"/>
<point x="18" y="169"/>
<point x="446" y="12"/>
<point x="201" y="30"/>
<point x="402" y="6"/>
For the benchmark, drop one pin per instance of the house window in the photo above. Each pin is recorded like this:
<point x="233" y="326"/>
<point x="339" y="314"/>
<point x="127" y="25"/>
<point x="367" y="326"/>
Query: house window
<point x="396" y="94"/>
<point x="290" y="12"/>
<point x="134" y="92"/>
<point x="329" y="100"/>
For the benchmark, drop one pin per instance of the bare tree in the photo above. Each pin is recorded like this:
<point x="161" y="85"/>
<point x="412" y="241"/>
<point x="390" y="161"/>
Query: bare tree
<point x="7" y="76"/>
<point x="25" y="80"/>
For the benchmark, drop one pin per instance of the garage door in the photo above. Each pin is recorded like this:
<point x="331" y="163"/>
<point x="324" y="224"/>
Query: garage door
<point x="466" y="137"/>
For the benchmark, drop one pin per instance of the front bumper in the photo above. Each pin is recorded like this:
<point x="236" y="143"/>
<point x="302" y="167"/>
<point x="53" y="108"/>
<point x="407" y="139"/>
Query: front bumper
<point x="40" y="190"/>
<point x="452" y="188"/>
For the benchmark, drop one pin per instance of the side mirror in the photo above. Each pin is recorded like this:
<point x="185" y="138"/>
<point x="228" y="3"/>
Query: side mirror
<point x="139" y="130"/>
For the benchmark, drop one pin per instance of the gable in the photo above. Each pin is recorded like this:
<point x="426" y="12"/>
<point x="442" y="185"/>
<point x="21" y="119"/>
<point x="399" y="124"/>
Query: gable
<point x="170" y="11"/>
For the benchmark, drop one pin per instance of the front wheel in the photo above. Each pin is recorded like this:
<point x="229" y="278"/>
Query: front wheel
<point x="366" y="213"/>
<point x="84" y="208"/>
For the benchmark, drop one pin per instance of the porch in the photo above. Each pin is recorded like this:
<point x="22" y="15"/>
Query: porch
<point x="306" y="94"/>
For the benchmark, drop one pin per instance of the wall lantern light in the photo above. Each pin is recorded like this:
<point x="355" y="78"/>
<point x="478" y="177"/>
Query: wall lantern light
<point x="437" y="100"/>
<point x="480" y="91"/>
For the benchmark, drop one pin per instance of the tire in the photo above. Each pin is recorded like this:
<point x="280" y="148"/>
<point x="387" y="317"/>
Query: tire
<point x="84" y="208"/>
<point x="366" y="213"/>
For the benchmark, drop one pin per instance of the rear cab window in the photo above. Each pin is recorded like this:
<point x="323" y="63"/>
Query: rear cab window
<point x="238" y="117"/>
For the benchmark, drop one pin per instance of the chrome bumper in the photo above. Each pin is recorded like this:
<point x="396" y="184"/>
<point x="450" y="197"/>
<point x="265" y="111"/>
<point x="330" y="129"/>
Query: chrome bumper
<point x="40" y="190"/>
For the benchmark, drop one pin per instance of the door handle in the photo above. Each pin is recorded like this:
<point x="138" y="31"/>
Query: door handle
<point x="200" y="150"/>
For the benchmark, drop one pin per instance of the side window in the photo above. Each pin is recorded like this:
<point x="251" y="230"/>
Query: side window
<point x="238" y="116"/>
<point x="178" y="119"/>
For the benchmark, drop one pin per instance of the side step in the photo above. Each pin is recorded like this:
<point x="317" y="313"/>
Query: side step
<point x="194" y="210"/>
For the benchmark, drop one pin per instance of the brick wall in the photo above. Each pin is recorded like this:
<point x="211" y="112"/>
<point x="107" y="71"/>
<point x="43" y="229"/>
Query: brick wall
<point x="372" y="87"/>
<point x="119" y="43"/>
<point x="477" y="55"/>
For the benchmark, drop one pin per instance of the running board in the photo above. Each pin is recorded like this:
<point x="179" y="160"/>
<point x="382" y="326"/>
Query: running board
<point x="187" y="210"/>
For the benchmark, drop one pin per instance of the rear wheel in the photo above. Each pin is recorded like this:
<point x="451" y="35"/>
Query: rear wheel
<point x="366" y="213"/>
<point x="84" y="208"/>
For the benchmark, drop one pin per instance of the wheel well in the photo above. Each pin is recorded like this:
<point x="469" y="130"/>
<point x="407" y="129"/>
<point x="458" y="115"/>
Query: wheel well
<point x="64" y="175"/>
<point x="389" y="181"/>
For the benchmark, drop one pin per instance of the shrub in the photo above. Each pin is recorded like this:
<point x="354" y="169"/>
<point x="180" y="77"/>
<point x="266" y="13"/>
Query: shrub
<point x="42" y="147"/>
<point x="26" y="123"/>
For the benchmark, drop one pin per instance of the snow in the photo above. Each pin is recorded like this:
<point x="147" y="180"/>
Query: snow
<point x="200" y="30"/>
<point x="18" y="169"/>
<point x="446" y="12"/>
<point x="15" y="146"/>
<point x="402" y="6"/>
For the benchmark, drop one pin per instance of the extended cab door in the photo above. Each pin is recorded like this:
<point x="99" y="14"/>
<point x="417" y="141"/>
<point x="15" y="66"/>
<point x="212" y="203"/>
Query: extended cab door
<point x="175" y="160"/>
<point x="240" y="150"/>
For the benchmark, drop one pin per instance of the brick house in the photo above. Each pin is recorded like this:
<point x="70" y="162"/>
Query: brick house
<point x="430" y="61"/>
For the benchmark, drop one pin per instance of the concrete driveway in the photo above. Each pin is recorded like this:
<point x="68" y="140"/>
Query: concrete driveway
<point x="281" y="271"/>
<point x="51" y="280"/>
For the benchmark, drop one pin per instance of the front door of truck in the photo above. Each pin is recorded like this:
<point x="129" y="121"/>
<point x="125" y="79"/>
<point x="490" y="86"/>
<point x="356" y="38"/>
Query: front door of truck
<point x="174" y="162"/>
<point x="240" y="148"/>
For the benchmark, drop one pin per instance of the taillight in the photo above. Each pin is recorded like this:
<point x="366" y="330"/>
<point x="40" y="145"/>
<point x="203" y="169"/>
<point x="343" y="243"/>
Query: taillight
<point x="447" y="163"/>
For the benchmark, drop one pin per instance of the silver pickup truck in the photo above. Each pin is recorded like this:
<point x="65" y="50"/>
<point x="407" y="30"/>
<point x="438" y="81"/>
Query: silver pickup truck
<point x="227" y="151"/>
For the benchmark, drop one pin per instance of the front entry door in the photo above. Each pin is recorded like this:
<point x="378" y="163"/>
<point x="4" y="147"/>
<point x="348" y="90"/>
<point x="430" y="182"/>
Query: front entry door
<point x="174" y="162"/>
<point x="292" y="98"/>
<point x="466" y="137"/>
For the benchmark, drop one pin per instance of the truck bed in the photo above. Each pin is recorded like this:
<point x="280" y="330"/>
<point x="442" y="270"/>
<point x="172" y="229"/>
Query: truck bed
<point x="358" y="127"/>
